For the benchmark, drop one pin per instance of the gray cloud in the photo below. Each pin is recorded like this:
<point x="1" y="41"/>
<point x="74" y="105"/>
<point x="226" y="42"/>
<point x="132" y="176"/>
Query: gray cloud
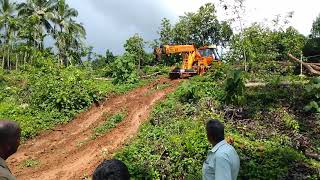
<point x="110" y="22"/>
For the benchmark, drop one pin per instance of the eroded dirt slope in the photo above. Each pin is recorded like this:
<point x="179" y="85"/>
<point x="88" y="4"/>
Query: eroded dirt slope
<point x="69" y="152"/>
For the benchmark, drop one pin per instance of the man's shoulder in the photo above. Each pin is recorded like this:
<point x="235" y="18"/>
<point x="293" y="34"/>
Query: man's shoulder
<point x="3" y="178"/>
<point x="5" y="174"/>
<point x="226" y="150"/>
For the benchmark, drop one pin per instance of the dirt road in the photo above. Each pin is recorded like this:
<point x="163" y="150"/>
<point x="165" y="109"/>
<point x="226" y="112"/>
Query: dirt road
<point x="69" y="152"/>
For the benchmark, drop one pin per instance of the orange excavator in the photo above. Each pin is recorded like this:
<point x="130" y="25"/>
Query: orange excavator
<point x="195" y="61"/>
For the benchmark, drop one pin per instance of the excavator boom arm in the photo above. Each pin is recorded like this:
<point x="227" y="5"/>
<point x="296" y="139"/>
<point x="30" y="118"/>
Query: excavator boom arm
<point x="173" y="49"/>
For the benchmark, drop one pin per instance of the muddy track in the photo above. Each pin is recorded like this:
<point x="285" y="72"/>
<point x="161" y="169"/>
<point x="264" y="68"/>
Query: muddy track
<point x="69" y="152"/>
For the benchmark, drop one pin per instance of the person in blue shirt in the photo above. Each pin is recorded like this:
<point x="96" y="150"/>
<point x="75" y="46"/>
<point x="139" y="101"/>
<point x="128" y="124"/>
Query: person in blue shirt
<point x="223" y="162"/>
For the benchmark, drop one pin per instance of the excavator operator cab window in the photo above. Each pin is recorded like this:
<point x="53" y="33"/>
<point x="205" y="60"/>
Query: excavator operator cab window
<point x="206" y="52"/>
<point x="210" y="52"/>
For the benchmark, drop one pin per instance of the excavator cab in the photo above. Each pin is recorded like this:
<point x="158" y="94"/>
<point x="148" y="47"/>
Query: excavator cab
<point x="210" y="51"/>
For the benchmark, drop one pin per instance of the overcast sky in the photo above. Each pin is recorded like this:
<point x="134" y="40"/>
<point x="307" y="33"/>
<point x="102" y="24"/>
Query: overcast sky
<point x="110" y="22"/>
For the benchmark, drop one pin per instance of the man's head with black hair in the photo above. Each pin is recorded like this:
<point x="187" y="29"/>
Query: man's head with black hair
<point x="9" y="138"/>
<point x="215" y="131"/>
<point x="111" y="170"/>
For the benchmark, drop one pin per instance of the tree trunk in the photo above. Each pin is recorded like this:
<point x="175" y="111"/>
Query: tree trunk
<point x="8" y="58"/>
<point x="17" y="60"/>
<point x="3" y="58"/>
<point x="317" y="68"/>
<point x="139" y="67"/>
<point x="24" y="60"/>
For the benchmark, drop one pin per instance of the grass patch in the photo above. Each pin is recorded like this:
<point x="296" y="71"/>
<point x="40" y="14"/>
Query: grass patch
<point x="30" y="163"/>
<point x="109" y="124"/>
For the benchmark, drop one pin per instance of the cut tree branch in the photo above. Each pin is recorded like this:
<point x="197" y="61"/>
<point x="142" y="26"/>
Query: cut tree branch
<point x="313" y="69"/>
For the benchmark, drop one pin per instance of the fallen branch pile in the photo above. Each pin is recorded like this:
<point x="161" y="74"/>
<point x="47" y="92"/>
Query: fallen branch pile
<point x="313" y="68"/>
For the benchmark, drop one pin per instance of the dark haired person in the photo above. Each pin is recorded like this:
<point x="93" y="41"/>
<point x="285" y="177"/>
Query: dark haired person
<point x="111" y="170"/>
<point x="223" y="162"/>
<point x="9" y="143"/>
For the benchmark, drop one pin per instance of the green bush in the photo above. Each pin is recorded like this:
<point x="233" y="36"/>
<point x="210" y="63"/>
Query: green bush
<point x="188" y="93"/>
<point x="124" y="69"/>
<point x="174" y="145"/>
<point x="313" y="93"/>
<point x="234" y="89"/>
<point x="67" y="91"/>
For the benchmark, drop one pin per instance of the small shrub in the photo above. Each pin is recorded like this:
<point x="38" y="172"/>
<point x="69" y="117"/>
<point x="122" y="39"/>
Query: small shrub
<point x="234" y="89"/>
<point x="30" y="163"/>
<point x="313" y="93"/>
<point x="290" y="122"/>
<point x="188" y="93"/>
<point x="67" y="90"/>
<point x="124" y="69"/>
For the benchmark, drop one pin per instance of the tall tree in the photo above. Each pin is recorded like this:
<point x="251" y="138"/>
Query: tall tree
<point x="312" y="47"/>
<point x="181" y="33"/>
<point x="165" y="32"/>
<point x="66" y="31"/>
<point x="315" y="31"/>
<point x="200" y="28"/>
<point x="41" y="13"/>
<point x="75" y="43"/>
<point x="205" y="26"/>
<point x="7" y="18"/>
<point x="135" y="46"/>
<point x="7" y="23"/>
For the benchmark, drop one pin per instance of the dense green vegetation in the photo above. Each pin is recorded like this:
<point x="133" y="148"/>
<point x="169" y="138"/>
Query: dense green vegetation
<point x="270" y="130"/>
<point x="42" y="97"/>
<point x="43" y="84"/>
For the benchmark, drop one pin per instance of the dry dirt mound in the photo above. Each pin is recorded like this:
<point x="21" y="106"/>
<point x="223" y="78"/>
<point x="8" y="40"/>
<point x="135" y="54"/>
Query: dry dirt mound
<point x="69" y="152"/>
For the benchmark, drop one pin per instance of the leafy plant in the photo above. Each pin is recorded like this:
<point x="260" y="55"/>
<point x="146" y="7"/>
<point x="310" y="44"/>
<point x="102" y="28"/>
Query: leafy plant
<point x="135" y="47"/>
<point x="234" y="89"/>
<point x="188" y="92"/>
<point x="313" y="91"/>
<point x="124" y="69"/>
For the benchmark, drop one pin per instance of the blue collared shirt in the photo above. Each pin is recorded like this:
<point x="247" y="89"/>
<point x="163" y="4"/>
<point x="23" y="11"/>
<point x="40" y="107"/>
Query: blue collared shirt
<point x="222" y="163"/>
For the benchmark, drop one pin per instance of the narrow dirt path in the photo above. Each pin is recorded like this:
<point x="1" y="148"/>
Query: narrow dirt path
<point x="69" y="152"/>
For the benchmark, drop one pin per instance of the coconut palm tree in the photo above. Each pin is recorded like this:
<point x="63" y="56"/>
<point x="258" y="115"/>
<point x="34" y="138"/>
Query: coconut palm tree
<point x="41" y="13"/>
<point x="7" y="16"/>
<point x="70" y="42"/>
<point x="7" y="21"/>
<point x="75" y="42"/>
<point x="67" y="32"/>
